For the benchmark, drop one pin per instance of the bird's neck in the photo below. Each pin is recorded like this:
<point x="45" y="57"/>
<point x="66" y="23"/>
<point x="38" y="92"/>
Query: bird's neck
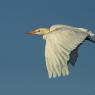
<point x="44" y="37"/>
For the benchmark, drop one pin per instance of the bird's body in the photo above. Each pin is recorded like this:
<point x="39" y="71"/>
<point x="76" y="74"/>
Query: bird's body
<point x="61" y="48"/>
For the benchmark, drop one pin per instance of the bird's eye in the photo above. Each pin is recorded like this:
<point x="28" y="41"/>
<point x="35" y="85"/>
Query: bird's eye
<point x="38" y="30"/>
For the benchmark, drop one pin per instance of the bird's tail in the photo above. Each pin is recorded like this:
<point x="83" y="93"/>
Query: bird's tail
<point x="65" y="71"/>
<point x="91" y="36"/>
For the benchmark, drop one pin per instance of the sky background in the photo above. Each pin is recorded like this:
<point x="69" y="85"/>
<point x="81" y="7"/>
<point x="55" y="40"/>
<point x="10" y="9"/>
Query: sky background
<point x="22" y="63"/>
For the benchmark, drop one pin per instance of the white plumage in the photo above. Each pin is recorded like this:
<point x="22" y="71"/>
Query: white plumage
<point x="59" y="45"/>
<point x="61" y="41"/>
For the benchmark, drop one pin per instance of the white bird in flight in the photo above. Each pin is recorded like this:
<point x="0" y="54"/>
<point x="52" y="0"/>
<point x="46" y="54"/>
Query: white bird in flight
<point x="62" y="43"/>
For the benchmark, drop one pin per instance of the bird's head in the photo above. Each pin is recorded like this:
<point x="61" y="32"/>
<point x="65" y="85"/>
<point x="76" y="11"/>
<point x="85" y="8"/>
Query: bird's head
<point x="39" y="31"/>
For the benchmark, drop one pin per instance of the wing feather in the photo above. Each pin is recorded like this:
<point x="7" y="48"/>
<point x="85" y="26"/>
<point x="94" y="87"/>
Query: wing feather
<point x="73" y="56"/>
<point x="59" y="44"/>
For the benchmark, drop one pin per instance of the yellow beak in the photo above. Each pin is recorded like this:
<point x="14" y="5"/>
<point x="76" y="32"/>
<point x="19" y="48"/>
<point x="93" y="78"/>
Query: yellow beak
<point x="31" y="33"/>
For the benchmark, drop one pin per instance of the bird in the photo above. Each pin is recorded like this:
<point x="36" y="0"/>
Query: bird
<point x="61" y="47"/>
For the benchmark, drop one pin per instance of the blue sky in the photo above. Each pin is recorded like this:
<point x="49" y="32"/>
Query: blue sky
<point x="22" y="63"/>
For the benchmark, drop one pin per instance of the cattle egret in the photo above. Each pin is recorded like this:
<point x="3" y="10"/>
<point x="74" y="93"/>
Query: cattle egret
<point x="62" y="43"/>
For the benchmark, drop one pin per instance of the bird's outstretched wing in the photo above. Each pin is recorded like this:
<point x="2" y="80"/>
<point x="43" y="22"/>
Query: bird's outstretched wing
<point x="59" y="45"/>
